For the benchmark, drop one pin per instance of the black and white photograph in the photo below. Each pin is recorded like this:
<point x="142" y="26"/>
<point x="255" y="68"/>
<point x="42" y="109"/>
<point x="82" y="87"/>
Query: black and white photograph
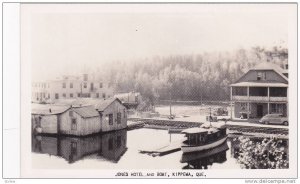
<point x="158" y="90"/>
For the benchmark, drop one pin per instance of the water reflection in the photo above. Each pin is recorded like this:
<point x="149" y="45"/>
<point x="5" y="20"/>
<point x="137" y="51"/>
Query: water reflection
<point x="203" y="159"/>
<point x="122" y="147"/>
<point x="109" y="146"/>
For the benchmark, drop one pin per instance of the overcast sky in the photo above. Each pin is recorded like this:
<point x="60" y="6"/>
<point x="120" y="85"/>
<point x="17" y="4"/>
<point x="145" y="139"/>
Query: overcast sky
<point x="64" y="41"/>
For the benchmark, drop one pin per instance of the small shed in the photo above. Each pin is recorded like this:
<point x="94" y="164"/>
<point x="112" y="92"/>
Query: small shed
<point x="80" y="121"/>
<point x="45" y="118"/>
<point x="67" y="120"/>
<point x="113" y="114"/>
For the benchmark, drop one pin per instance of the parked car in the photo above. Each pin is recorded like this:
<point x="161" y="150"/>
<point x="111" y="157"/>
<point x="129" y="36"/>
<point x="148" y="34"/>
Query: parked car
<point x="220" y="111"/>
<point x="274" y="119"/>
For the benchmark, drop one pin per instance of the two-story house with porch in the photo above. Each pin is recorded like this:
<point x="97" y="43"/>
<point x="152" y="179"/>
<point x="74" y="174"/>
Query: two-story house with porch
<point x="260" y="91"/>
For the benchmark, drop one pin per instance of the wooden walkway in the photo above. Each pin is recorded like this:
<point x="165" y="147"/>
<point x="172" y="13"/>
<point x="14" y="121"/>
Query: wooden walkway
<point x="172" y="147"/>
<point x="241" y="127"/>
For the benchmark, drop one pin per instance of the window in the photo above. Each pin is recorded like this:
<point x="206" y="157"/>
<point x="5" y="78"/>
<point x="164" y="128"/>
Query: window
<point x="277" y="108"/>
<point x="261" y="75"/>
<point x="119" y="141"/>
<point x="92" y="86"/>
<point x="86" y="95"/>
<point x="48" y="95"/>
<point x="101" y="85"/>
<point x="97" y="95"/>
<point x="258" y="91"/>
<point x="56" y="95"/>
<point x="239" y="91"/>
<point x="110" y="119"/>
<point x="110" y="144"/>
<point x="71" y="85"/>
<point x="73" y="148"/>
<point x="64" y="95"/>
<point x="71" y="95"/>
<point x="278" y="92"/>
<point x="103" y="95"/>
<point x="74" y="124"/>
<point x="85" y="77"/>
<point x="244" y="107"/>
<point x="119" y="118"/>
<point x="124" y="111"/>
<point x="71" y="113"/>
<point x="64" y="85"/>
<point x="85" y="85"/>
<point x="78" y="94"/>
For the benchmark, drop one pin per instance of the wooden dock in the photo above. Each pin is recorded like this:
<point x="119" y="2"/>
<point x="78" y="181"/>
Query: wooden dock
<point x="172" y="147"/>
<point x="178" y="125"/>
<point x="135" y="125"/>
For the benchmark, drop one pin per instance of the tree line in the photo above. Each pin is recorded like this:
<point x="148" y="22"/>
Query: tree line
<point x="193" y="77"/>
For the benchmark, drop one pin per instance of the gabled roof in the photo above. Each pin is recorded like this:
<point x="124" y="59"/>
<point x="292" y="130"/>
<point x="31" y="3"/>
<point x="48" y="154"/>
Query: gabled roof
<point x="103" y="104"/>
<point x="267" y="66"/>
<point x="44" y="109"/>
<point x="99" y="104"/>
<point x="270" y="66"/>
<point x="86" y="112"/>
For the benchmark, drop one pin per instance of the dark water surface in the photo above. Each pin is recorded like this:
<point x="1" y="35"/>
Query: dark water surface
<point x="120" y="150"/>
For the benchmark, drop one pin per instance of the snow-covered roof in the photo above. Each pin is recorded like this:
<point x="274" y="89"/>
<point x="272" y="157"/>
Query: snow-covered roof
<point x="267" y="66"/>
<point x="48" y="109"/>
<point x="259" y="84"/>
<point x="86" y="112"/>
<point x="103" y="104"/>
<point x="194" y="130"/>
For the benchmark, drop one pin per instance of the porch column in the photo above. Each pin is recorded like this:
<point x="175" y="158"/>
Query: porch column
<point x="287" y="102"/>
<point x="230" y="102"/>
<point x="268" y="108"/>
<point x="248" y="92"/>
<point x="248" y="110"/>
<point x="248" y="104"/>
<point x="268" y="95"/>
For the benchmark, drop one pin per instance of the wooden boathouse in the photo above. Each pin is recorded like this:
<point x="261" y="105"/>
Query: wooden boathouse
<point x="79" y="118"/>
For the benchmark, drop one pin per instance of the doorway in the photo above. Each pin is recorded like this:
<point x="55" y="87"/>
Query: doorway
<point x="259" y="110"/>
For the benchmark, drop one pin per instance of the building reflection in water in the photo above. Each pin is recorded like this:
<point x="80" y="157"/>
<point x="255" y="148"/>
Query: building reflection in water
<point x="202" y="159"/>
<point x="110" y="146"/>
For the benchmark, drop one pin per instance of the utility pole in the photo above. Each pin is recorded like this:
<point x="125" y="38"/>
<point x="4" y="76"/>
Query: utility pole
<point x="210" y="116"/>
<point x="170" y="105"/>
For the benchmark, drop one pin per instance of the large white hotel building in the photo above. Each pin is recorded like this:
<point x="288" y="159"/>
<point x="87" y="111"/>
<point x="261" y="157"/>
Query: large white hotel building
<point x="66" y="87"/>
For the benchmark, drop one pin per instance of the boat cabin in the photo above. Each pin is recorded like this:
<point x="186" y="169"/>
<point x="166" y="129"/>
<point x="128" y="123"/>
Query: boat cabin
<point x="203" y="135"/>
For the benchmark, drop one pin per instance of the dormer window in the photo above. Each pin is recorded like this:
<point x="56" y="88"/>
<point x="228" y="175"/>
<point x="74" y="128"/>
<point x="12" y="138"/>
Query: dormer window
<point x="261" y="76"/>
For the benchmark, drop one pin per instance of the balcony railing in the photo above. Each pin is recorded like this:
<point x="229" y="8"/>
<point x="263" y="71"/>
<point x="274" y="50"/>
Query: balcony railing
<point x="242" y="98"/>
<point x="278" y="99"/>
<point x="259" y="98"/>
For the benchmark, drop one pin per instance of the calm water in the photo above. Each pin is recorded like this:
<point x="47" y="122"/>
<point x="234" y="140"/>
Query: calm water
<point x="120" y="150"/>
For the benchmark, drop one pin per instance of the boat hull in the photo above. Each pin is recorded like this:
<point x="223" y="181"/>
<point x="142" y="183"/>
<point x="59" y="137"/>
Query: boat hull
<point x="187" y="149"/>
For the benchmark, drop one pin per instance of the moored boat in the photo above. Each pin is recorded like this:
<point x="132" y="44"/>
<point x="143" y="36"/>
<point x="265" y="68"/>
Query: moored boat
<point x="203" y="138"/>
